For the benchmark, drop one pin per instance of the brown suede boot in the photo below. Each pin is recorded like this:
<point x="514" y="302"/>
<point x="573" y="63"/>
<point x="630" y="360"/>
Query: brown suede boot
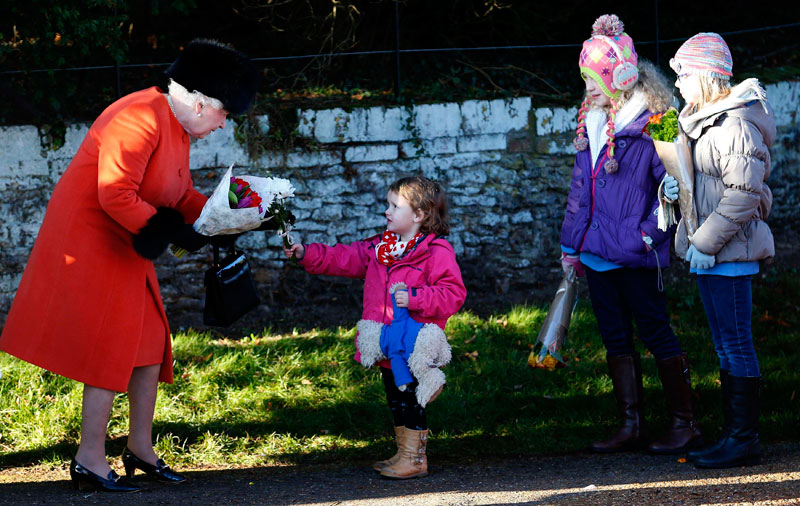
<point x="399" y="433"/>
<point x="684" y="432"/>
<point x="413" y="463"/>
<point x="626" y="375"/>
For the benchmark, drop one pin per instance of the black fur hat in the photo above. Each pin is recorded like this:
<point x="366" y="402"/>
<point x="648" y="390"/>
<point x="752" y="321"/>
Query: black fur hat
<point x="218" y="71"/>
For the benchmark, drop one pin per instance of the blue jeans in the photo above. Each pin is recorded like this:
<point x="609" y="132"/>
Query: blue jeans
<point x="621" y="296"/>
<point x="728" y="301"/>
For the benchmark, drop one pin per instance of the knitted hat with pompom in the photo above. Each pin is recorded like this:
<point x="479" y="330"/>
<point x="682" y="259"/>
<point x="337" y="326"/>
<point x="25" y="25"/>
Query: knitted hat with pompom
<point x="609" y="59"/>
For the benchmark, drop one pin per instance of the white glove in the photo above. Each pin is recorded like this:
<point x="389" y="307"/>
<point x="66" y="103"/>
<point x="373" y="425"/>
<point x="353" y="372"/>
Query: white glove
<point x="699" y="260"/>
<point x="670" y="188"/>
<point x="648" y="242"/>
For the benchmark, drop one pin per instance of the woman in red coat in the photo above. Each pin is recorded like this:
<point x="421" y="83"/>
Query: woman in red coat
<point x="88" y="306"/>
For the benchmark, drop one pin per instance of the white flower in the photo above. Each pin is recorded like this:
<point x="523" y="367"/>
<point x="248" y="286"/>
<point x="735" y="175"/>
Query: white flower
<point x="281" y="188"/>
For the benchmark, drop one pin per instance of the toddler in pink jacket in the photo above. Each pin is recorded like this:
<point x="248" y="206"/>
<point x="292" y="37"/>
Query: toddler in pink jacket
<point x="411" y="251"/>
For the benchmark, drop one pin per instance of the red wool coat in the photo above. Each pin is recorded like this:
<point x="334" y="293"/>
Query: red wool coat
<point x="79" y="308"/>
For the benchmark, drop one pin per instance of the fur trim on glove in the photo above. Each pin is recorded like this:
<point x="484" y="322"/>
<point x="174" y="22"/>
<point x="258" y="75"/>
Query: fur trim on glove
<point x="431" y="351"/>
<point x="368" y="342"/>
<point x="153" y="238"/>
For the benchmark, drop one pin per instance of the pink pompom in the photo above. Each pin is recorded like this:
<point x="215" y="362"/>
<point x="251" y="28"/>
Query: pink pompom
<point x="611" y="166"/>
<point x="580" y="143"/>
<point x="608" y="25"/>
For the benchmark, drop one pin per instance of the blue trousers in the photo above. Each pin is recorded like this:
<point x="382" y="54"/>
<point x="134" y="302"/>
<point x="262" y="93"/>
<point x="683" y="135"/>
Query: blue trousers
<point x="622" y="296"/>
<point x="728" y="301"/>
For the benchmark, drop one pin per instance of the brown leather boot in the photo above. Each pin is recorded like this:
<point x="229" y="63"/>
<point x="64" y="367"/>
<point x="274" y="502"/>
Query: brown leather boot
<point x="413" y="463"/>
<point x="399" y="433"/>
<point x="626" y="375"/>
<point x="684" y="432"/>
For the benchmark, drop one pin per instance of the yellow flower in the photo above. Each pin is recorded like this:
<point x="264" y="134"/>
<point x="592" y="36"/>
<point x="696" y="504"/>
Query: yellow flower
<point x="549" y="363"/>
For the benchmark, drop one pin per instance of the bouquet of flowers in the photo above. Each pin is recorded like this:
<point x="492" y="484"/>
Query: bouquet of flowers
<point x="546" y="353"/>
<point x="672" y="147"/>
<point x="243" y="203"/>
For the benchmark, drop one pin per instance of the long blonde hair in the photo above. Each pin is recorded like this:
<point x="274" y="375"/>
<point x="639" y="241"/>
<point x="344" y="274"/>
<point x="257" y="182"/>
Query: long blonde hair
<point x="654" y="86"/>
<point x="658" y="97"/>
<point x="712" y="89"/>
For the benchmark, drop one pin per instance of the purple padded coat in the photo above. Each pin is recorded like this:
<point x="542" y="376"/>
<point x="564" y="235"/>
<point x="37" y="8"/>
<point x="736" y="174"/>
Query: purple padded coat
<point x="607" y="213"/>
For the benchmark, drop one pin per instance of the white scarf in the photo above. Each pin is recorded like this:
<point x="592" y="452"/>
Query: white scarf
<point x="597" y="121"/>
<point x="746" y="91"/>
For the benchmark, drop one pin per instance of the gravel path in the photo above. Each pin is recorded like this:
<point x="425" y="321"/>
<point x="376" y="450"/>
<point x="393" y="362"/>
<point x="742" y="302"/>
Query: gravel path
<point x="578" y="479"/>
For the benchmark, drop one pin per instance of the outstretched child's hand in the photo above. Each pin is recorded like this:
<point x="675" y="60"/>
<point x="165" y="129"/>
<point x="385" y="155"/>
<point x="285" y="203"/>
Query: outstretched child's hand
<point x="401" y="297"/>
<point x="296" y="250"/>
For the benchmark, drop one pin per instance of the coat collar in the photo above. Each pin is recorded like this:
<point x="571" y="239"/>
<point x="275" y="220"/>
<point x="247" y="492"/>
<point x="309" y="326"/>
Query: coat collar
<point x="741" y="95"/>
<point x="420" y="251"/>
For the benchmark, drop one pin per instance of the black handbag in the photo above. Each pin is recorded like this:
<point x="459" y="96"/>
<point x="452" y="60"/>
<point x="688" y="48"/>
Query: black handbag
<point x="230" y="289"/>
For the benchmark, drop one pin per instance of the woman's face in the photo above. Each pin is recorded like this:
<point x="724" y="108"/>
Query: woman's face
<point x="689" y="86"/>
<point x="209" y="119"/>
<point x="596" y="94"/>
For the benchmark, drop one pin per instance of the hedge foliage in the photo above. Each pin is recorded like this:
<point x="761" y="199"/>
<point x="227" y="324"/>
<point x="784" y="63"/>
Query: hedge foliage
<point x="38" y="35"/>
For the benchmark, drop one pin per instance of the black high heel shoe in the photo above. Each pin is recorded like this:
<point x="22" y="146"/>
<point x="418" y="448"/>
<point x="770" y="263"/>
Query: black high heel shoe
<point x="160" y="471"/>
<point x="82" y="479"/>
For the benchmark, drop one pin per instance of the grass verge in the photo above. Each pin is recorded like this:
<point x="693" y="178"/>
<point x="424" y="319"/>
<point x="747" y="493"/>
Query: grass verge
<point x="298" y="398"/>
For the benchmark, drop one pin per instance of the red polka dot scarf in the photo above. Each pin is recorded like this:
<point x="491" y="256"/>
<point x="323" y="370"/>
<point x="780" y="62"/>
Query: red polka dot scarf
<point x="392" y="249"/>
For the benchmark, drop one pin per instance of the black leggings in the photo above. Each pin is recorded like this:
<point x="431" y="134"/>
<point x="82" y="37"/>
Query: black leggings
<point x="406" y="410"/>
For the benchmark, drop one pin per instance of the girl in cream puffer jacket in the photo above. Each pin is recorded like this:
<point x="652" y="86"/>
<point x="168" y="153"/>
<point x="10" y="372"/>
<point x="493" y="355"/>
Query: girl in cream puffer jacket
<point x="730" y="131"/>
<point x="732" y="163"/>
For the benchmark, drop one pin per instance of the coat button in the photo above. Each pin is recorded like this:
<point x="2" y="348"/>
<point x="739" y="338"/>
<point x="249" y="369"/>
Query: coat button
<point x="601" y="182"/>
<point x="594" y="225"/>
<point x="622" y="143"/>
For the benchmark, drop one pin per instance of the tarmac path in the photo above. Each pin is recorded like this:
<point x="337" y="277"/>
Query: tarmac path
<point x="576" y="479"/>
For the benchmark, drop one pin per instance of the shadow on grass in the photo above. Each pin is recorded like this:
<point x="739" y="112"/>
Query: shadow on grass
<point x="461" y="427"/>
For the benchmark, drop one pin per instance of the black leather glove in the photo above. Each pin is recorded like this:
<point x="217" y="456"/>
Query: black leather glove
<point x="224" y="240"/>
<point x="164" y="228"/>
<point x="186" y="238"/>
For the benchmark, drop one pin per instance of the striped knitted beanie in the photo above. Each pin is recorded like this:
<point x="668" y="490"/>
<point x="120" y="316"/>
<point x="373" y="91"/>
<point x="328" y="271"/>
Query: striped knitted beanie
<point x="705" y="54"/>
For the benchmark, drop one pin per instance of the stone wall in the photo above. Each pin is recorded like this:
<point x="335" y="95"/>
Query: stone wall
<point x="504" y="163"/>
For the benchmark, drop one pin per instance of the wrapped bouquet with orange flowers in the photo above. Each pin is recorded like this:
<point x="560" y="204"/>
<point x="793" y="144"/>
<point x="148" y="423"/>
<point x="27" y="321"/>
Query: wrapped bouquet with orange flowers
<point x="672" y="146"/>
<point x="546" y="353"/>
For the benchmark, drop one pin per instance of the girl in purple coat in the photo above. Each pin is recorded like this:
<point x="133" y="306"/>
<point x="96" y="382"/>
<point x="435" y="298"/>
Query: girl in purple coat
<point x="413" y="251"/>
<point x="610" y="232"/>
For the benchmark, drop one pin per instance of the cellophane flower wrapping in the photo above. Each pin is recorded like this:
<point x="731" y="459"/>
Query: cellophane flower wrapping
<point x="547" y="352"/>
<point x="672" y="146"/>
<point x="265" y="200"/>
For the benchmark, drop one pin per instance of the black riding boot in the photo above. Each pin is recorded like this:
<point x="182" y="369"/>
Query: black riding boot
<point x="740" y="447"/>
<point x="691" y="455"/>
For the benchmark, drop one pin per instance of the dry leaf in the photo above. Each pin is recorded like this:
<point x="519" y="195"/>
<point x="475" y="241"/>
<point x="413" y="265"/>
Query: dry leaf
<point x="199" y="360"/>
<point x="767" y="318"/>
